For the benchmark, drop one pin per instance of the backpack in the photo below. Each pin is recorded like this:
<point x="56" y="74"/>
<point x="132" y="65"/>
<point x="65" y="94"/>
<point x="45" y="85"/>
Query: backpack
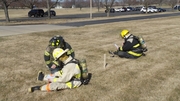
<point x="142" y="43"/>
<point x="85" y="76"/>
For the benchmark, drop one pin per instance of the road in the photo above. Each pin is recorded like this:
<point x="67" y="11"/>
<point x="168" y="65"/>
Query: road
<point x="23" y="29"/>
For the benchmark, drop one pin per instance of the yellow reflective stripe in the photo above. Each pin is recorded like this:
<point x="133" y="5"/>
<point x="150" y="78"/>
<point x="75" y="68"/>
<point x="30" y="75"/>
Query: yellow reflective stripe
<point x="48" y="62"/>
<point x="55" y="79"/>
<point x="69" y="84"/>
<point x="121" y="48"/>
<point x="70" y="51"/>
<point x="78" y="76"/>
<point x="134" y="54"/>
<point x="60" y="72"/>
<point x="137" y="45"/>
<point x="46" y="53"/>
<point x="55" y="62"/>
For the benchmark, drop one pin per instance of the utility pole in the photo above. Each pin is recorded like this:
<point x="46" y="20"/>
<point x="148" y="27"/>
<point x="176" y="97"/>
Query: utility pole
<point x="90" y="9"/>
<point x="177" y="5"/>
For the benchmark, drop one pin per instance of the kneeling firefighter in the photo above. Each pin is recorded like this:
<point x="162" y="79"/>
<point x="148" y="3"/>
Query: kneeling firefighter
<point x="132" y="47"/>
<point x="70" y="76"/>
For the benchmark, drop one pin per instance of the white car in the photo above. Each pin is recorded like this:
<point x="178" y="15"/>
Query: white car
<point x="149" y="10"/>
<point x="119" y="10"/>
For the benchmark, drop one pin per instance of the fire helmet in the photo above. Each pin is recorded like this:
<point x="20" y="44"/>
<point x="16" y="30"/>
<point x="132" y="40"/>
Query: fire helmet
<point x="57" y="41"/>
<point x="58" y="52"/>
<point x="124" y="33"/>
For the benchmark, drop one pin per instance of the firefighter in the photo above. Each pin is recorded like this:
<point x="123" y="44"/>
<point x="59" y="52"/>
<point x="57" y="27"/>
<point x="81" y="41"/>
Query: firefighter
<point x="56" y="42"/>
<point x="68" y="77"/>
<point x="131" y="47"/>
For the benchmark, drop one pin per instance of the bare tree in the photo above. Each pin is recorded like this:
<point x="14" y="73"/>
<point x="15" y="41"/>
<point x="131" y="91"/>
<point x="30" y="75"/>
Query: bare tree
<point x="172" y="3"/>
<point x="128" y="2"/>
<point x="29" y="3"/>
<point x="108" y="5"/>
<point x="49" y="6"/>
<point x="146" y="3"/>
<point x="6" y="4"/>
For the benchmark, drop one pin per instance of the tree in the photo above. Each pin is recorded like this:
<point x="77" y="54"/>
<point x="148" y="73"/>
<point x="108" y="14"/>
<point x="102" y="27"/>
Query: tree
<point x="49" y="6"/>
<point x="6" y="4"/>
<point x="172" y="3"/>
<point x="108" y="5"/>
<point x="29" y="3"/>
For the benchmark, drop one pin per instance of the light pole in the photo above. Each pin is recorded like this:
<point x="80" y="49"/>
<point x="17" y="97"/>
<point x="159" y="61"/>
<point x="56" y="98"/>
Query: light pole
<point x="90" y="9"/>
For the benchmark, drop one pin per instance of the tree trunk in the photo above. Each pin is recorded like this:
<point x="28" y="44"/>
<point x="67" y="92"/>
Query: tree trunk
<point x="48" y="7"/>
<point x="6" y="12"/>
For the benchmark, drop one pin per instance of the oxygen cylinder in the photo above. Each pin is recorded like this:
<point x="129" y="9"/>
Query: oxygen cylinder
<point x="142" y="42"/>
<point x="84" y="68"/>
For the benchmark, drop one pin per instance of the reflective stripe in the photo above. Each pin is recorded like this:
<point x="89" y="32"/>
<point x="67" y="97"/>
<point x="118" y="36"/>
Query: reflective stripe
<point x="55" y="62"/>
<point x="137" y="45"/>
<point x="48" y="87"/>
<point x="78" y="76"/>
<point x="55" y="79"/>
<point x="134" y="54"/>
<point x="121" y="48"/>
<point x="69" y="84"/>
<point x="46" y="53"/>
<point x="70" y="52"/>
<point x="48" y="62"/>
<point x="60" y="72"/>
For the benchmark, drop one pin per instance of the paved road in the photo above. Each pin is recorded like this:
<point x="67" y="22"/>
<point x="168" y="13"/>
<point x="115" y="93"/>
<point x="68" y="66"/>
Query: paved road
<point x="23" y="29"/>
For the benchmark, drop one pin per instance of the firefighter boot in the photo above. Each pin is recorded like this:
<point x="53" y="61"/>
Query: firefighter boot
<point x="40" y="76"/>
<point x="32" y="89"/>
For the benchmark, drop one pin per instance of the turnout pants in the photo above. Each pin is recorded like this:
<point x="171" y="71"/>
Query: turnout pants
<point x="58" y="86"/>
<point x="123" y="54"/>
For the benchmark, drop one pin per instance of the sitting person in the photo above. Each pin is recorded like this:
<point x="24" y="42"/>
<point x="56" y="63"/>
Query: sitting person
<point x="56" y="42"/>
<point x="131" y="48"/>
<point x="70" y="76"/>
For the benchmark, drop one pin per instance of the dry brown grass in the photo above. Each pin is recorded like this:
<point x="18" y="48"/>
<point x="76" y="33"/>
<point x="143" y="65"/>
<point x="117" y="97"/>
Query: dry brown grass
<point x="154" y="77"/>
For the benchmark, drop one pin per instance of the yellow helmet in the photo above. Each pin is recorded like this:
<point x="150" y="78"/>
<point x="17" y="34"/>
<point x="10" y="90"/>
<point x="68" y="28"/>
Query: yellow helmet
<point x="58" y="52"/>
<point x="124" y="33"/>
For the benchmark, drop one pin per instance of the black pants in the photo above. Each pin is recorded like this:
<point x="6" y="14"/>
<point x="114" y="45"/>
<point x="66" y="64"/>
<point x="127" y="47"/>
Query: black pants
<point x="123" y="54"/>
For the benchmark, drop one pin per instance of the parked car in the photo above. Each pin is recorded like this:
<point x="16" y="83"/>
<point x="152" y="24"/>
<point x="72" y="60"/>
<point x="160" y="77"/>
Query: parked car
<point x="112" y="10"/>
<point x="177" y="7"/>
<point x="161" y="10"/>
<point x="149" y="10"/>
<point x="138" y="8"/>
<point x="131" y="9"/>
<point x="36" y="13"/>
<point x="119" y="10"/>
<point x="52" y="12"/>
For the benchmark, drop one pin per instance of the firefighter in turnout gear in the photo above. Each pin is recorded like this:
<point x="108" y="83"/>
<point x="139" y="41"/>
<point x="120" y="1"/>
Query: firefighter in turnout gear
<point x="56" y="42"/>
<point x="67" y="78"/>
<point x="131" y="47"/>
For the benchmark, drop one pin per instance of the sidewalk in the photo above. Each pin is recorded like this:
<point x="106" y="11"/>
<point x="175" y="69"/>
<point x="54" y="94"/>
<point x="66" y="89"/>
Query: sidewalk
<point x="24" y="29"/>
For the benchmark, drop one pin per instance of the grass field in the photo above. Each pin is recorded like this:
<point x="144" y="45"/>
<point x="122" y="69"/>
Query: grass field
<point x="154" y="77"/>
